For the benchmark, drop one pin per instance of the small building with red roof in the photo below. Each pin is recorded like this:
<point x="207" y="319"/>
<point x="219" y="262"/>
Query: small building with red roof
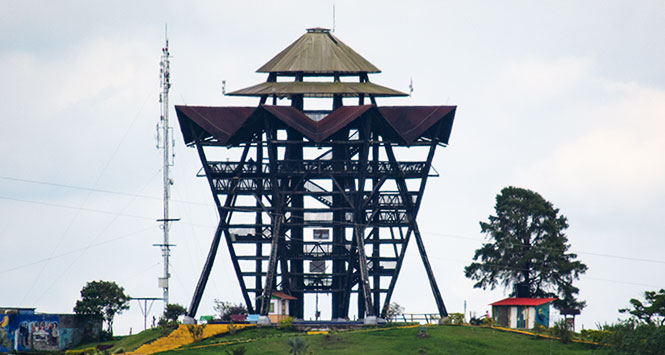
<point x="279" y="306"/>
<point x="522" y="312"/>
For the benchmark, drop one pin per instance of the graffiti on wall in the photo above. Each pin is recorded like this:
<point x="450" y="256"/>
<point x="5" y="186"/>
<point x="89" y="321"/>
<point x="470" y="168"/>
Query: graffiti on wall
<point x="29" y="334"/>
<point x="5" y="338"/>
<point x="38" y="335"/>
<point x="24" y="330"/>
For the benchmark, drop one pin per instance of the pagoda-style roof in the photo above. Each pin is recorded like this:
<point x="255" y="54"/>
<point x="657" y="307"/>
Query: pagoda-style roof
<point x="234" y="125"/>
<point x="318" y="52"/>
<point x="316" y="89"/>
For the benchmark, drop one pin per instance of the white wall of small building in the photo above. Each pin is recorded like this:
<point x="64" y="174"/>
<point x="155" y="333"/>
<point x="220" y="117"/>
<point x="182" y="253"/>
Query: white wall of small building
<point x="513" y="317"/>
<point x="277" y="306"/>
<point x="529" y="316"/>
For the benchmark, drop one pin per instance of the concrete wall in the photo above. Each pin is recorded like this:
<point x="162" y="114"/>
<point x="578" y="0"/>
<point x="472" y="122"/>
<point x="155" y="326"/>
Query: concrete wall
<point x="45" y="332"/>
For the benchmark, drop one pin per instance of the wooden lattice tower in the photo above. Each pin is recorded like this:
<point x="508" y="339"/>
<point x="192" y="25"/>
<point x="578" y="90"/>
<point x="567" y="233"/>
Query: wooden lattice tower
<point x="317" y="201"/>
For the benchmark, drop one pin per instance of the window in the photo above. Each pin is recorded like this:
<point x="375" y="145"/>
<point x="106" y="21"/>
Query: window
<point x="321" y="234"/>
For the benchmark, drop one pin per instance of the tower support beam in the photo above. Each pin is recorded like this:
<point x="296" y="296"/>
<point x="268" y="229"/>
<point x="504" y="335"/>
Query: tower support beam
<point x="326" y="193"/>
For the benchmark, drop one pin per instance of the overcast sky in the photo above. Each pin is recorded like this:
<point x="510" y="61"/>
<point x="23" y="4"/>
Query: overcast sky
<point x="566" y="98"/>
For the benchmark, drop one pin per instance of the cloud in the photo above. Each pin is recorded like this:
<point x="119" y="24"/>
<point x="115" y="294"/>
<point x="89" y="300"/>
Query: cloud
<point x="616" y="157"/>
<point x="81" y="74"/>
<point x="534" y="80"/>
<point x="85" y="96"/>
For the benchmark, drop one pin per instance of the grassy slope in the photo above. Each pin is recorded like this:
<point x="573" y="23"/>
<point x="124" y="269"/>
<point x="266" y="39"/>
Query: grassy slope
<point x="441" y="340"/>
<point x="131" y="342"/>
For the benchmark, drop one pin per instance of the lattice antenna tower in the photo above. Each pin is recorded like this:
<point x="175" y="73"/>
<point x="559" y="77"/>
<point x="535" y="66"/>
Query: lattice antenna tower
<point x="166" y="143"/>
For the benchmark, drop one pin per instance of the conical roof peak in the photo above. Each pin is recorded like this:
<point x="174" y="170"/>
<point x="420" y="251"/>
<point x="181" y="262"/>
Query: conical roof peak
<point x="318" y="52"/>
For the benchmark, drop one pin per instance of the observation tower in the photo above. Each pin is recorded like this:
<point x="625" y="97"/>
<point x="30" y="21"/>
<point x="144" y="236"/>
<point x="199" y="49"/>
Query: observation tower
<point x="317" y="200"/>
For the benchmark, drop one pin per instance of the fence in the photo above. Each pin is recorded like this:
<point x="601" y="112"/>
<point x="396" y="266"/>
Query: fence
<point x="416" y="317"/>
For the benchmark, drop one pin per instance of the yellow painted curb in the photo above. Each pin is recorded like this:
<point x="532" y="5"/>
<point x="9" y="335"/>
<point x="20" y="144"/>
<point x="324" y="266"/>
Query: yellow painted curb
<point x="317" y="332"/>
<point x="518" y="331"/>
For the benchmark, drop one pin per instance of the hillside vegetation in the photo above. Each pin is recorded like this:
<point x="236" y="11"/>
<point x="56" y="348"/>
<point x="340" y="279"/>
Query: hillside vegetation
<point x="389" y="340"/>
<point x="439" y="339"/>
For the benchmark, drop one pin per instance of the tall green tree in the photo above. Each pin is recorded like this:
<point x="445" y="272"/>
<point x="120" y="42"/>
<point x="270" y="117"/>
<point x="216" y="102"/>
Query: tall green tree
<point x="527" y="246"/>
<point x="103" y="299"/>
<point x="651" y="311"/>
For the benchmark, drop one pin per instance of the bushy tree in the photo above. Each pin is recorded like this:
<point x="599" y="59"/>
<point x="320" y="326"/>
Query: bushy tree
<point x="652" y="311"/>
<point x="527" y="245"/>
<point x="226" y="309"/>
<point x="173" y="311"/>
<point x="102" y="299"/>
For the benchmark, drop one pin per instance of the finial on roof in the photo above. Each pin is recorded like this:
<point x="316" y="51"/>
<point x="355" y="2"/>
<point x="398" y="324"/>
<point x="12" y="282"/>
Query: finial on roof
<point x="318" y="29"/>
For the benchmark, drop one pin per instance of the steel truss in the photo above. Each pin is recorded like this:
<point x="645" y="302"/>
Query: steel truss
<point x="283" y="187"/>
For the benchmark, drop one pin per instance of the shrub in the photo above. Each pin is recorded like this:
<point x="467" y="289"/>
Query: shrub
<point x="593" y="335"/>
<point x="456" y="318"/>
<point x="632" y="337"/>
<point x="286" y="323"/>
<point x="561" y="329"/>
<point x="196" y="331"/>
<point x="488" y="321"/>
<point x="232" y="328"/>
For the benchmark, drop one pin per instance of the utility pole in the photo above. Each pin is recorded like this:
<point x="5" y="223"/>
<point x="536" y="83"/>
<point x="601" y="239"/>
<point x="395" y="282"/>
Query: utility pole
<point x="145" y="310"/>
<point x="166" y="143"/>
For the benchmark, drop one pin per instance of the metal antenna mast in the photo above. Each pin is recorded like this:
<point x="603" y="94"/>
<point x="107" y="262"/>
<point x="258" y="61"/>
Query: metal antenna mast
<point x="166" y="143"/>
<point x="333" y="26"/>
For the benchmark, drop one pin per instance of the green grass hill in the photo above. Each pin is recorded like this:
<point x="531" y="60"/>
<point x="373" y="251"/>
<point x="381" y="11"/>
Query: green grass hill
<point x="440" y="339"/>
<point x="387" y="340"/>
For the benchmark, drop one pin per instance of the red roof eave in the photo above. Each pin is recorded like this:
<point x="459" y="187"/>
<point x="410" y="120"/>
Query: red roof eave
<point x="522" y="301"/>
<point x="282" y="295"/>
